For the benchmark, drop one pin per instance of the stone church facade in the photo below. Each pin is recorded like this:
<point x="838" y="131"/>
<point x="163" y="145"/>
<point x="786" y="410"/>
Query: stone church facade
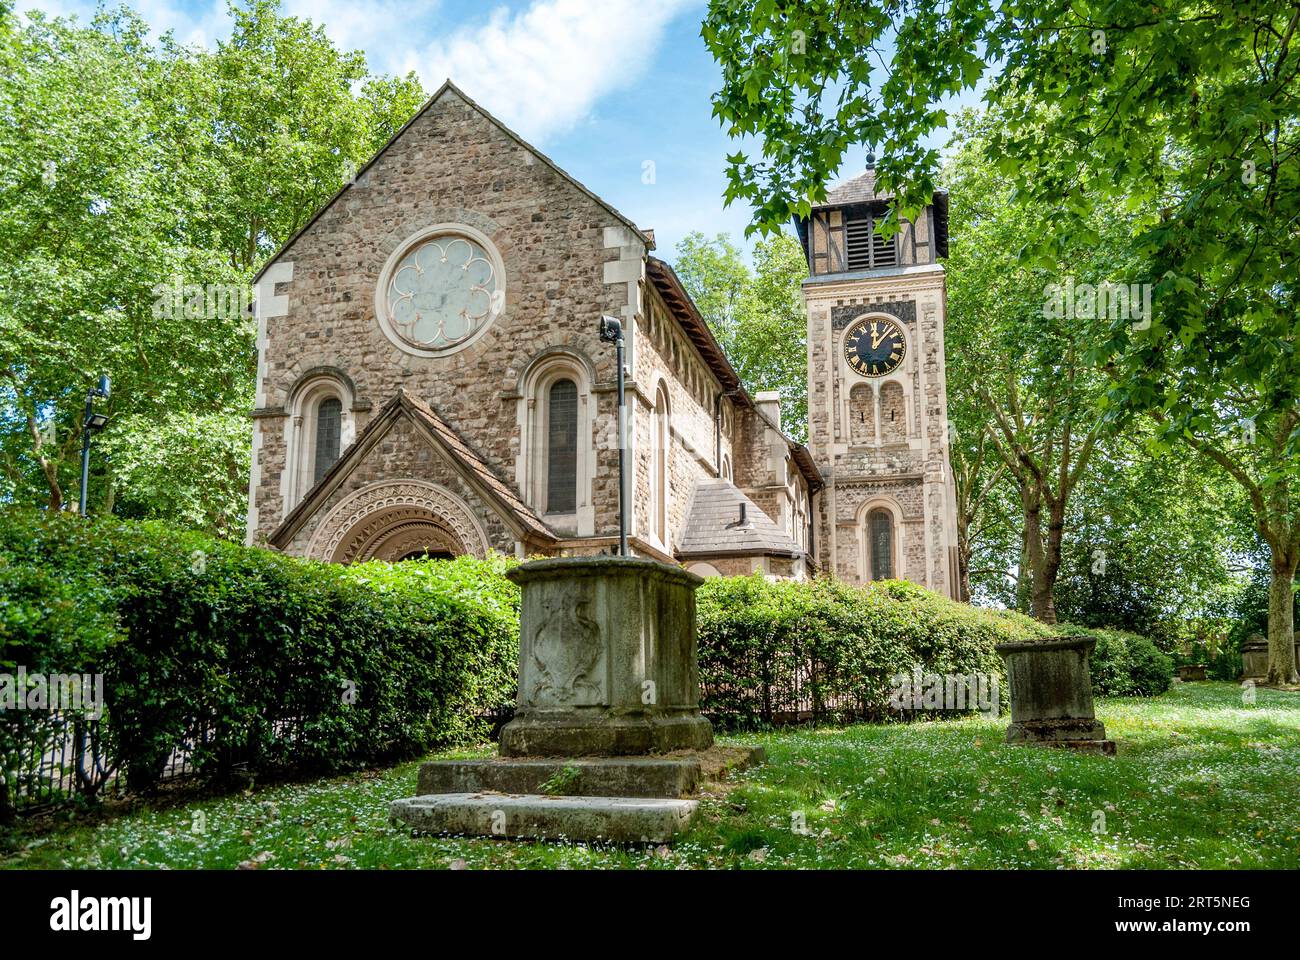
<point x="431" y="381"/>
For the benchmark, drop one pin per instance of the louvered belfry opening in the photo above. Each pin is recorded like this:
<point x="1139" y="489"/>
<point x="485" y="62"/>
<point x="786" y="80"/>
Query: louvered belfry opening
<point x="864" y="247"/>
<point x="562" y="448"/>
<point x="329" y="430"/>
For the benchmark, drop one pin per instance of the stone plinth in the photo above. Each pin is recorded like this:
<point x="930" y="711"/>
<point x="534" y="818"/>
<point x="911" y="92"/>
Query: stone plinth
<point x="607" y="661"/>
<point x="533" y="817"/>
<point x="579" y="777"/>
<point x="1254" y="658"/>
<point x="607" y="742"/>
<point x="1051" y="694"/>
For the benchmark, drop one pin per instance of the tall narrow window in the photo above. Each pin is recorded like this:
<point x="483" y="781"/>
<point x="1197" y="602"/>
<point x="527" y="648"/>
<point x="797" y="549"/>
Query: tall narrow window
<point x="659" y="470"/>
<point x="562" y="447"/>
<point x="329" y="428"/>
<point x="893" y="413"/>
<point x="880" y="543"/>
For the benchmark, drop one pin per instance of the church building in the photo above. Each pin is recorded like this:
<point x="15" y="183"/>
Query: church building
<point x="431" y="380"/>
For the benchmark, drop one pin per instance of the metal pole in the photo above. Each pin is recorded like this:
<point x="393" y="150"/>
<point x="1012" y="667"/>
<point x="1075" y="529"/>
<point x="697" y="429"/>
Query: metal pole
<point x="85" y="451"/>
<point x="622" y="443"/>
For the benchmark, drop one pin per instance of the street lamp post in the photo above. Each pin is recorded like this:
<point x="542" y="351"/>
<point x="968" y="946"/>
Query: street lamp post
<point x="92" y="423"/>
<point x="611" y="331"/>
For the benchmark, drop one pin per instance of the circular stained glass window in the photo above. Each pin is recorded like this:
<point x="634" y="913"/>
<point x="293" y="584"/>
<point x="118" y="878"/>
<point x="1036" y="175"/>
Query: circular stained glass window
<point x="442" y="292"/>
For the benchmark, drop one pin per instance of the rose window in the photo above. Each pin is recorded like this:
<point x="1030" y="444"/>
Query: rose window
<point x="442" y="292"/>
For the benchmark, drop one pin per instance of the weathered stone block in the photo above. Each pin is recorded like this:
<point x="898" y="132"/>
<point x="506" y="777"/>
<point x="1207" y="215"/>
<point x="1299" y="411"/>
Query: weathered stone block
<point x="615" y="819"/>
<point x="586" y="777"/>
<point x="1051" y="693"/>
<point x="607" y="661"/>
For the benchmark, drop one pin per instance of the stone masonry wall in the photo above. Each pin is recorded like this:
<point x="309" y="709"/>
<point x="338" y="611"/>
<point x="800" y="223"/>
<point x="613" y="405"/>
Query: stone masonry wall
<point x="905" y="466"/>
<point x="665" y="356"/>
<point x="452" y="165"/>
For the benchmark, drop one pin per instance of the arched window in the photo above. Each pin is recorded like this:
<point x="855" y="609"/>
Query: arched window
<point x="659" y="468"/>
<point x="320" y="427"/>
<point x="725" y="473"/>
<point x="562" y="447"/>
<point x="556" y="464"/>
<point x="862" y="414"/>
<point x="329" y="434"/>
<point x="880" y="544"/>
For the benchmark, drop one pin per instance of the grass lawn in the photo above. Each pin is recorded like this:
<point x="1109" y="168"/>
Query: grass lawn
<point x="1201" y="780"/>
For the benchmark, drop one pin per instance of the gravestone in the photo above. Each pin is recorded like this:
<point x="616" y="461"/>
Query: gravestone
<point x="1254" y="658"/>
<point x="1051" y="694"/>
<point x="607" y="742"/>
<point x="607" y="660"/>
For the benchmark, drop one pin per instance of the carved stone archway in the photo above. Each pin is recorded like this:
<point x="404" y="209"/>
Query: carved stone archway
<point x="393" y="519"/>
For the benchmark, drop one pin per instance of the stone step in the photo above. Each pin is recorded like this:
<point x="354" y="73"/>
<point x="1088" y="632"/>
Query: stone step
<point x="584" y="777"/>
<point x="538" y="817"/>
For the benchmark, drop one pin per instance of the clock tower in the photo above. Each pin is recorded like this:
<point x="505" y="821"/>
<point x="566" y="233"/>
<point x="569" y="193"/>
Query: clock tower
<point x="877" y="393"/>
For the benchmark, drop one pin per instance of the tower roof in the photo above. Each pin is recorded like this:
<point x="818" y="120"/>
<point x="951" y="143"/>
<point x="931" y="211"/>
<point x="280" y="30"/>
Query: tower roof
<point x="859" y="189"/>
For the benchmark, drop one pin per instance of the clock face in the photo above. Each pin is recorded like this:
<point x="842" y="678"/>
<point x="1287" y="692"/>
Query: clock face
<point x="874" y="348"/>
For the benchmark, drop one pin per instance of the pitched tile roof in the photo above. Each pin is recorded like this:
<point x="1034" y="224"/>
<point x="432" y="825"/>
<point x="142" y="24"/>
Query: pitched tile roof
<point x="859" y="189"/>
<point x="459" y="454"/>
<point x="712" y="524"/>
<point x="467" y="456"/>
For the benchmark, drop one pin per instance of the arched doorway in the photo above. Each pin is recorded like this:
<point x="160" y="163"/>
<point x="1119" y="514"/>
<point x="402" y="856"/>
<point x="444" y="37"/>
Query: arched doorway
<point x="418" y="555"/>
<point x="396" y="520"/>
<point x="398" y="534"/>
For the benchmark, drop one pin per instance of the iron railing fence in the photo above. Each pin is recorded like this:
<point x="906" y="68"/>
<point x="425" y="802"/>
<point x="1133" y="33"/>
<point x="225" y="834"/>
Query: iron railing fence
<point x="53" y="758"/>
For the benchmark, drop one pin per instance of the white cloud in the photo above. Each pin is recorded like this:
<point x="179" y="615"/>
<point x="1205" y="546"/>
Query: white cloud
<point x="384" y="30"/>
<point x="204" y="24"/>
<point x="542" y="70"/>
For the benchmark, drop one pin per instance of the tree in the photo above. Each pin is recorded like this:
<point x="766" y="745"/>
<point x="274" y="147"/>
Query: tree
<point x="975" y="481"/>
<point x="1153" y="542"/>
<point x="191" y="468"/>
<point x="1183" y="116"/>
<point x="287" y="120"/>
<point x="757" y="316"/>
<point x="86" y="229"/>
<point x="191" y="168"/>
<point x="1018" y="369"/>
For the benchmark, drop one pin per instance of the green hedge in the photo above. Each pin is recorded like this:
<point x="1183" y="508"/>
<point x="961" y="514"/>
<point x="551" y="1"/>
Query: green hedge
<point x="823" y="650"/>
<point x="267" y="662"/>
<point x="1125" y="664"/>
<point x="275" y="661"/>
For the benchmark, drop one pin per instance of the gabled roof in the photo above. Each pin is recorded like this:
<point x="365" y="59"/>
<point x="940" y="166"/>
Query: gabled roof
<point x="692" y="322"/>
<point x="859" y="189"/>
<point x="449" y="87"/>
<point x="460" y="456"/>
<point x="713" y="528"/>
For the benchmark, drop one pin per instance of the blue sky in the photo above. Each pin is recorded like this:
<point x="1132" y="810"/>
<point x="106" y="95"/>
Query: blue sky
<point x="603" y="87"/>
